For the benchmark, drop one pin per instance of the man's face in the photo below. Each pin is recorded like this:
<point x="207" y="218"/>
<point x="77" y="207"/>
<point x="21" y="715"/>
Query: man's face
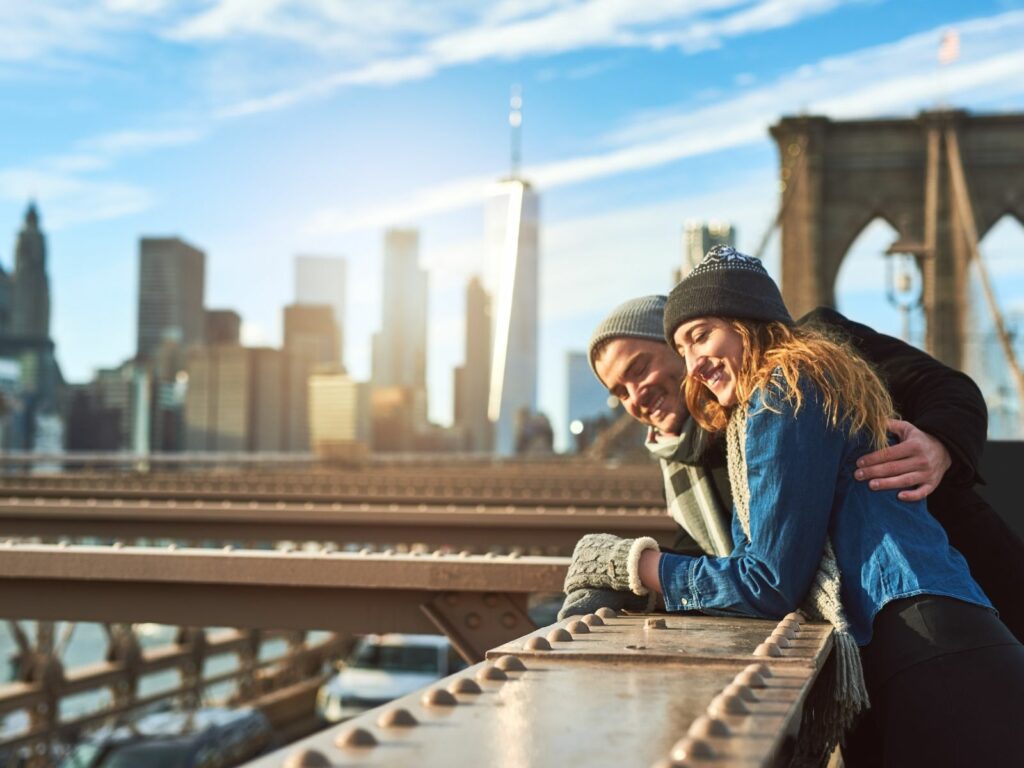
<point x="646" y="376"/>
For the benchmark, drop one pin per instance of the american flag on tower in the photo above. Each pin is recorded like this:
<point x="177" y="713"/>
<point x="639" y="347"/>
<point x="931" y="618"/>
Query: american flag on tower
<point x="949" y="48"/>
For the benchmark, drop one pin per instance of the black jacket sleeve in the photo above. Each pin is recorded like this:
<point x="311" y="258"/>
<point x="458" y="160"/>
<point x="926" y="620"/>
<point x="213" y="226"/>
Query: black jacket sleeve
<point x="935" y="398"/>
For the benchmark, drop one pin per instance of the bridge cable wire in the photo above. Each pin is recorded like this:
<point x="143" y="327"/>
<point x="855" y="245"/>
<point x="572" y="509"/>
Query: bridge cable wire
<point x="963" y="205"/>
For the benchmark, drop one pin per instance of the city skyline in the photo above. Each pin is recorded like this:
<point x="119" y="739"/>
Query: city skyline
<point x="635" y="121"/>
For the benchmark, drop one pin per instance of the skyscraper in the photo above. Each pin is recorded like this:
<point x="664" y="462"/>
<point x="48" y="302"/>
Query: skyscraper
<point x="321" y="280"/>
<point x="30" y="302"/>
<point x="400" y="348"/>
<point x="235" y="397"/>
<point x="25" y="343"/>
<point x="472" y="378"/>
<point x="310" y="342"/>
<point x="339" y="413"/>
<point x="172" y="276"/>
<point x="512" y="254"/>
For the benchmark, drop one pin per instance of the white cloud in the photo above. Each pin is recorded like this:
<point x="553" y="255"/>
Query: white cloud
<point x="520" y="30"/>
<point x="900" y="77"/>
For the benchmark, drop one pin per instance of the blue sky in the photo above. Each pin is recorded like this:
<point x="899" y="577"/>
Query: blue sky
<point x="262" y="129"/>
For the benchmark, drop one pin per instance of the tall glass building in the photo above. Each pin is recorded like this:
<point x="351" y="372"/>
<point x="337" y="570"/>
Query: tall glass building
<point x="172" y="277"/>
<point x="512" y="275"/>
<point x="321" y="280"/>
<point x="400" y="348"/>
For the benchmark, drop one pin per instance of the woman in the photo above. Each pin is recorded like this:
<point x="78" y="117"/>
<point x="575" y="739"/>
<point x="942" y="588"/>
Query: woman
<point x="944" y="677"/>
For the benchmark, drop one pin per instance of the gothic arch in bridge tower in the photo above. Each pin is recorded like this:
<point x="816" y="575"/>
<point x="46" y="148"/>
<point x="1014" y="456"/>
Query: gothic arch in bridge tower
<point x="838" y="176"/>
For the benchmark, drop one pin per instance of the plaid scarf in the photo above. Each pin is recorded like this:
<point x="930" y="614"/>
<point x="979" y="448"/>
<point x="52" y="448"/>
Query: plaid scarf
<point x="696" y="485"/>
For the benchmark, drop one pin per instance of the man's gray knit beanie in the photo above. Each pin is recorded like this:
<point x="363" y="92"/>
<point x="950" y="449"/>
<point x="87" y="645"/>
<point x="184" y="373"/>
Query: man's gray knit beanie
<point x="641" y="318"/>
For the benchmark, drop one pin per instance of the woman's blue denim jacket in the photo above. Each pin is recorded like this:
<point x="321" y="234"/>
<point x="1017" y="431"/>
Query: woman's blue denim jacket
<point x="800" y="477"/>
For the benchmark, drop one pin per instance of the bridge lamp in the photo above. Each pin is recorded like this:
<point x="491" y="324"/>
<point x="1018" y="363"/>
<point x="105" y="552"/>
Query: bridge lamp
<point x="903" y="278"/>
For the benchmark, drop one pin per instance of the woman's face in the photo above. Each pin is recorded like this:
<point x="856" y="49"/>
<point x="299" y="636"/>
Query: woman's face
<point x="713" y="352"/>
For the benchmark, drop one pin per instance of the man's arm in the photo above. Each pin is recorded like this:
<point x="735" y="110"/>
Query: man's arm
<point x="931" y="398"/>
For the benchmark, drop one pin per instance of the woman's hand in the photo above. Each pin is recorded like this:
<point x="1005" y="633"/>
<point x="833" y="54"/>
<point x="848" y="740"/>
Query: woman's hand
<point x="916" y="463"/>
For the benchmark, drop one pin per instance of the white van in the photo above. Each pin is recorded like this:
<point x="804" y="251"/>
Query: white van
<point x="384" y="667"/>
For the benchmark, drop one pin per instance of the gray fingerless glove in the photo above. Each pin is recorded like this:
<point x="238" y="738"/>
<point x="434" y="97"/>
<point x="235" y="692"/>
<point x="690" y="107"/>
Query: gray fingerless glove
<point x="606" y="561"/>
<point x="580" y="602"/>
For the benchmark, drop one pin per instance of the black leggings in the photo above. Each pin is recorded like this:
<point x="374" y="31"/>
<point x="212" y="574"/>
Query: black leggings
<point x="946" y="681"/>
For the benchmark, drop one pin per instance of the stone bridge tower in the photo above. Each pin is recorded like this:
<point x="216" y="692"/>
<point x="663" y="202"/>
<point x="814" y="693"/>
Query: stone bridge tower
<point x="939" y="179"/>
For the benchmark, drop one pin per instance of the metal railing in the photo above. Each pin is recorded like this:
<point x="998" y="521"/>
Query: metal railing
<point x="603" y="690"/>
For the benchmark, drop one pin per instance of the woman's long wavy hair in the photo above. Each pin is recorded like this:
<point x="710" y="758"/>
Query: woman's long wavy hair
<point x="852" y="394"/>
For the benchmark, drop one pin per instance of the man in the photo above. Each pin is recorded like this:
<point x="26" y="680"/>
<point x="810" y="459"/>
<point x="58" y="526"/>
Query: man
<point x="940" y="438"/>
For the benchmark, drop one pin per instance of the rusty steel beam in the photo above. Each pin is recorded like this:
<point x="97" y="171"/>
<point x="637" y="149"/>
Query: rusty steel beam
<point x="254" y="589"/>
<point x="556" y="494"/>
<point x="667" y="690"/>
<point x="477" y="526"/>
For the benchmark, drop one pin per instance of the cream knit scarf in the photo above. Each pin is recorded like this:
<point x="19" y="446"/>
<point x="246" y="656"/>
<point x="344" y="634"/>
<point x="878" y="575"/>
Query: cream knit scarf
<point x="827" y="718"/>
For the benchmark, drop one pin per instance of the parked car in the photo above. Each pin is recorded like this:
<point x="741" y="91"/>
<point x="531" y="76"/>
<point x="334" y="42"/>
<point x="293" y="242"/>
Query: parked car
<point x="384" y="667"/>
<point x="212" y="737"/>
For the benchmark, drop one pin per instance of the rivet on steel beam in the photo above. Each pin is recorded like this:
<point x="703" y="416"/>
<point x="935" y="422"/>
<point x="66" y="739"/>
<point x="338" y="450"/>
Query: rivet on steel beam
<point x="396" y="717"/>
<point x="355" y="737"/>
<point x="228" y="548"/>
<point x="606" y="613"/>
<point x="490" y="599"/>
<point x="118" y="544"/>
<point x="365" y="551"/>
<point x="510" y="663"/>
<point x="593" y="620"/>
<point x="307" y="758"/>
<point x="537" y="644"/>
<point x="790" y="625"/>
<point x="705" y="727"/>
<point x="438" y="697"/>
<point x="760" y="669"/>
<point x="388" y="552"/>
<point x="767" y="649"/>
<point x="689" y="747"/>
<point x="450" y="598"/>
<point x="727" y="704"/>
<point x="473" y="620"/>
<point x="559" y="635"/>
<point x="668" y="762"/>
<point x="750" y="678"/>
<point x="464" y="685"/>
<point x="578" y="627"/>
<point x="465" y="553"/>
<point x="780" y="640"/>
<point x="739" y="690"/>
<point x="490" y="672"/>
<point x="437" y="553"/>
<point x="795" y="617"/>
<point x="785" y="630"/>
<point x="653" y="623"/>
<point x="172" y="546"/>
